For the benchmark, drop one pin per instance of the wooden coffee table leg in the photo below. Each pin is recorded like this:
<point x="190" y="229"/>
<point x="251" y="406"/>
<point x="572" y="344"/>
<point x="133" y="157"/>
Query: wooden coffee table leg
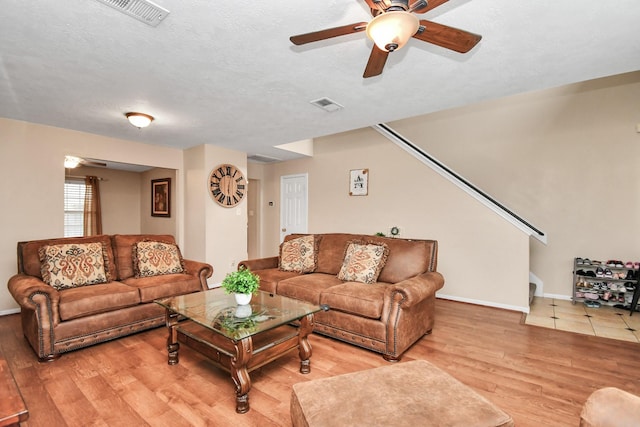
<point x="240" y="374"/>
<point x="304" y="347"/>
<point x="172" y="340"/>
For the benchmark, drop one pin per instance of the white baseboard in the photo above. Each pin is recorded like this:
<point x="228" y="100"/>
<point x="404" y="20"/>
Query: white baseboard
<point x="485" y="303"/>
<point x="558" y="296"/>
<point x="10" y="311"/>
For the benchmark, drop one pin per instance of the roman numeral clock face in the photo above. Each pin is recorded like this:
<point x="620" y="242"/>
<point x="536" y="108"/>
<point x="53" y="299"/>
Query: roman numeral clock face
<point x="227" y="185"/>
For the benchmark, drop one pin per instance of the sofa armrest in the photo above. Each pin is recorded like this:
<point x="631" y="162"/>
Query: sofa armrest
<point x="39" y="311"/>
<point x="415" y="289"/>
<point x="23" y="288"/>
<point x="260" y="263"/>
<point x="202" y="270"/>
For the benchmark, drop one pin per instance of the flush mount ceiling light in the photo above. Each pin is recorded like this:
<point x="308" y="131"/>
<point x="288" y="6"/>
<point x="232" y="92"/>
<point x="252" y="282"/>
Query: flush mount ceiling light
<point x="139" y="120"/>
<point x="391" y="30"/>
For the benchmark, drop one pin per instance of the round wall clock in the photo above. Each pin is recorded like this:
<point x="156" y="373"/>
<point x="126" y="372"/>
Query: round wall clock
<point x="227" y="185"/>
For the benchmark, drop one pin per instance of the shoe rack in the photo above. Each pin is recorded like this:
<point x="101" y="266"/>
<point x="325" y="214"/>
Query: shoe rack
<point x="597" y="283"/>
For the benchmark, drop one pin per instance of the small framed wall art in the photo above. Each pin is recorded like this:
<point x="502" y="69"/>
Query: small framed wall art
<point x="359" y="182"/>
<point x="161" y="197"/>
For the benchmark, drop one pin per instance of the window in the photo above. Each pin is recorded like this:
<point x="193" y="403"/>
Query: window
<point x="74" y="207"/>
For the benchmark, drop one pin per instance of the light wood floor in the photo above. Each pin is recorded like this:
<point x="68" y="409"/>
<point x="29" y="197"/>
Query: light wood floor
<point x="540" y="376"/>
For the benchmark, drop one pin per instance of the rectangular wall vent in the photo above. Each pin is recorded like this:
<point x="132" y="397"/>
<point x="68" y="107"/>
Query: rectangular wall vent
<point x="142" y="10"/>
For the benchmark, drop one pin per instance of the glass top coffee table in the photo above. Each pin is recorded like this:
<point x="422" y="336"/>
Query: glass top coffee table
<point x="237" y="338"/>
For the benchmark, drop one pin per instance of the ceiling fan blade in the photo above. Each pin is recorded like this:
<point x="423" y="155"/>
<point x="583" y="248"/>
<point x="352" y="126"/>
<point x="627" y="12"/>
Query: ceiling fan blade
<point x="447" y="37"/>
<point x="328" y="33"/>
<point x="376" y="6"/>
<point x="376" y="62"/>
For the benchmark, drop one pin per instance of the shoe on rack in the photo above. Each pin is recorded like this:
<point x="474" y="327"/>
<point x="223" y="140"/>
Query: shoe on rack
<point x="628" y="264"/>
<point x="599" y="272"/>
<point x="607" y="273"/>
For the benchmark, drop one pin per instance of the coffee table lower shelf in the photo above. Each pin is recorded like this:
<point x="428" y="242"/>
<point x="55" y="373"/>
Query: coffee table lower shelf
<point x="239" y="357"/>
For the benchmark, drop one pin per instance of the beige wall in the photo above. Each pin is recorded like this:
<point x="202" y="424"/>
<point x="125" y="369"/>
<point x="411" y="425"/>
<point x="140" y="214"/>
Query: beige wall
<point x="565" y="159"/>
<point x="154" y="224"/>
<point x="216" y="234"/>
<point x="119" y="196"/>
<point x="484" y="258"/>
<point x="32" y="182"/>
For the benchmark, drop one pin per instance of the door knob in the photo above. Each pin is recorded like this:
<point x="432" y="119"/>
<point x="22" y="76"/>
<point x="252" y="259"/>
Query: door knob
<point x="284" y="229"/>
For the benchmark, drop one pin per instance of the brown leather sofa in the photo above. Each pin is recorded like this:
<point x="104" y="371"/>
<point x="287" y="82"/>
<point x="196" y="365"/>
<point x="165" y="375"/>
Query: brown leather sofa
<point x="387" y="316"/>
<point x="58" y="321"/>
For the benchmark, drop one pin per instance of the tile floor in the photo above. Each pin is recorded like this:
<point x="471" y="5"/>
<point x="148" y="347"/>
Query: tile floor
<point x="605" y="321"/>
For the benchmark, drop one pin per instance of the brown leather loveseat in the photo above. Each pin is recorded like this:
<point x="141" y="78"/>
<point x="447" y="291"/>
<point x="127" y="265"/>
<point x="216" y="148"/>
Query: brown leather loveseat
<point x="386" y="315"/>
<point x="61" y="317"/>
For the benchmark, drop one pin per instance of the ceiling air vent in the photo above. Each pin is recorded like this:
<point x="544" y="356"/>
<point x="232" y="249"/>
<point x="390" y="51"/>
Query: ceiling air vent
<point x="142" y="10"/>
<point x="327" y="104"/>
<point x="262" y="159"/>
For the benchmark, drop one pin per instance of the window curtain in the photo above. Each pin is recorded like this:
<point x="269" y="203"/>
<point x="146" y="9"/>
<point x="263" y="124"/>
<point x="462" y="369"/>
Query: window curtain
<point x="92" y="210"/>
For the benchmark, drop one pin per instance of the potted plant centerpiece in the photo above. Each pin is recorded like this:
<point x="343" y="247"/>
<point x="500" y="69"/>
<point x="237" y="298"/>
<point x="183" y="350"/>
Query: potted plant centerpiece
<point x="242" y="283"/>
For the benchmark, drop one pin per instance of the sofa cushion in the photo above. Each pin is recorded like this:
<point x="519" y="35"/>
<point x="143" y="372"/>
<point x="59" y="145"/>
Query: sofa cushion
<point x="363" y="262"/>
<point x="73" y="264"/>
<point x="123" y="248"/>
<point x="270" y="277"/>
<point x="307" y="287"/>
<point x="357" y="298"/>
<point x="154" y="258"/>
<point x="167" y="285"/>
<point x="29" y="256"/>
<point x="331" y="252"/>
<point x="408" y="258"/>
<point x="299" y="254"/>
<point x="85" y="301"/>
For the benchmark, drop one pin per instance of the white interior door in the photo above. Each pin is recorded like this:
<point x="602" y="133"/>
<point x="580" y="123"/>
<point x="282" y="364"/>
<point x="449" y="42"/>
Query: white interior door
<point x="293" y="204"/>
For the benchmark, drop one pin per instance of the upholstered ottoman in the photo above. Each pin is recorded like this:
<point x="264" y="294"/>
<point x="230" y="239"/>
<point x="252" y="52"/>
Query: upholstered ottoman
<point x="405" y="394"/>
<point x="611" y="407"/>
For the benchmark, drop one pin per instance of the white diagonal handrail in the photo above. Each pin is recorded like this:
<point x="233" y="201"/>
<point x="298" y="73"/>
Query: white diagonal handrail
<point x="459" y="181"/>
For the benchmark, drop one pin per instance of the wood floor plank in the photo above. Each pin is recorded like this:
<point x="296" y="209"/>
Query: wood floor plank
<point x="539" y="376"/>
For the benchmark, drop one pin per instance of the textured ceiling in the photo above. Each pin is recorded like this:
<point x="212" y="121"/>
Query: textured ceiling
<point x="225" y="73"/>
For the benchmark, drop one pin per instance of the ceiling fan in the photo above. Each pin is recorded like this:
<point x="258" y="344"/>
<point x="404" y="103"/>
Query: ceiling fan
<point x="392" y="25"/>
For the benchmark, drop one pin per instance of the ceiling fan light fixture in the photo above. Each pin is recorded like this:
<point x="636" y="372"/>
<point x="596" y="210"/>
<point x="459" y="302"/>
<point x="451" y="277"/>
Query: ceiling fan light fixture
<point x="139" y="120"/>
<point x="391" y="30"/>
<point x="71" y="162"/>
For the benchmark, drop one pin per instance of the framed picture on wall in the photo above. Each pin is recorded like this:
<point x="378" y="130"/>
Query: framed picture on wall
<point x="359" y="182"/>
<point x="161" y="197"/>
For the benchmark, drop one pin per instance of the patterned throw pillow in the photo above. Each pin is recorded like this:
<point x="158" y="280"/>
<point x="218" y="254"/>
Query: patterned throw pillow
<point x="152" y="258"/>
<point x="72" y="265"/>
<point x="363" y="262"/>
<point x="300" y="254"/>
